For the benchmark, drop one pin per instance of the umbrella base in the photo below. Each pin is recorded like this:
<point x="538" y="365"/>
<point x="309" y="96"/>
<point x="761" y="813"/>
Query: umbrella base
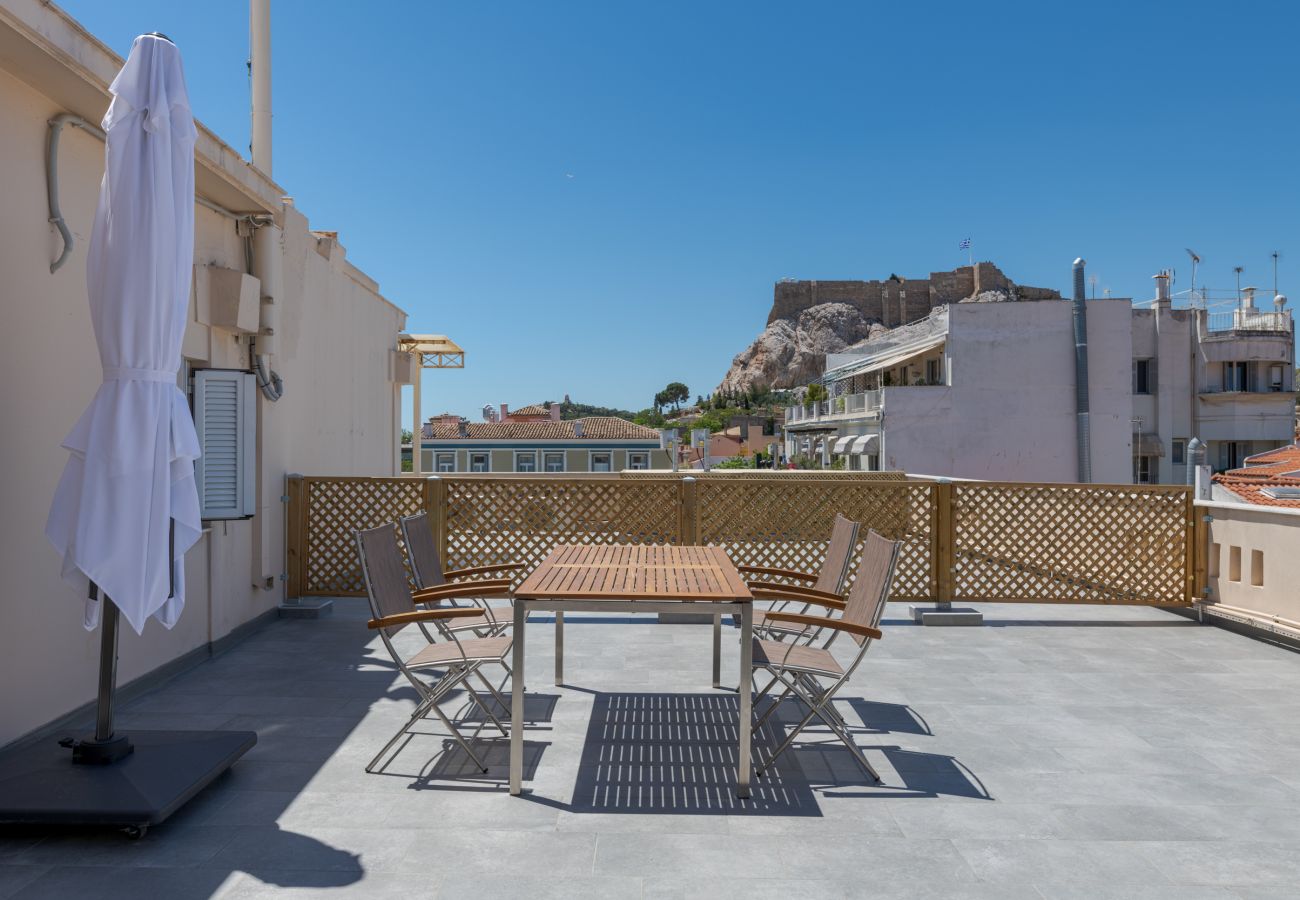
<point x="42" y="785"/>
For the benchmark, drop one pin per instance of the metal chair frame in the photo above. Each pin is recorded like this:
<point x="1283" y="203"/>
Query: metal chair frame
<point x="456" y="674"/>
<point x="870" y="588"/>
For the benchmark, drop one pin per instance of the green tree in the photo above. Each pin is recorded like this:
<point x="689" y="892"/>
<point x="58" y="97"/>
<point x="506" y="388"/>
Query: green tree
<point x="676" y="393"/>
<point x="816" y="393"/>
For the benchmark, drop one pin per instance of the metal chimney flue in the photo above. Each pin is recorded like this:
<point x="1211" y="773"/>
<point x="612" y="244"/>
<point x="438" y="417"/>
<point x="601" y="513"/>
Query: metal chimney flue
<point x="1083" y="433"/>
<point x="259" y="70"/>
<point x="1163" y="298"/>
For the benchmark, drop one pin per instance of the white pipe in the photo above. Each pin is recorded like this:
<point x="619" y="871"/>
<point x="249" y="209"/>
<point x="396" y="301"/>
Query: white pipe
<point x="259" y="67"/>
<point x="268" y="267"/>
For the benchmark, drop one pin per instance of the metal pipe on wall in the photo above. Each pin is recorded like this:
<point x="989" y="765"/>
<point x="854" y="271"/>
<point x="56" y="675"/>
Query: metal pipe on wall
<point x="1082" y="430"/>
<point x="259" y="70"/>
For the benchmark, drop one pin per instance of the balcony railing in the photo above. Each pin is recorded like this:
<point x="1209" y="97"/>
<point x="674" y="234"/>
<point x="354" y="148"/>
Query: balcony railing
<point x="1249" y="320"/>
<point x="967" y="541"/>
<point x="847" y="405"/>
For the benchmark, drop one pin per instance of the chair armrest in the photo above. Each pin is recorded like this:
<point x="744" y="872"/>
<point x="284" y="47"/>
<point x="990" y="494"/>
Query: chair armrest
<point x="423" y="615"/>
<point x="763" y="590"/>
<point x="470" y="590"/>
<point x="480" y="570"/>
<point x="825" y="622"/>
<point x="779" y="573"/>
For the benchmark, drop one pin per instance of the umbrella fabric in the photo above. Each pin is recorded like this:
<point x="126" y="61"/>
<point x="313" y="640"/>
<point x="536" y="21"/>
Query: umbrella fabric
<point x="131" y="465"/>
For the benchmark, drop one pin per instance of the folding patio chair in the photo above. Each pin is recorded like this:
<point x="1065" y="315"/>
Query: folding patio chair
<point x="827" y="583"/>
<point x="426" y="565"/>
<point x="802" y="668"/>
<point x="449" y="662"/>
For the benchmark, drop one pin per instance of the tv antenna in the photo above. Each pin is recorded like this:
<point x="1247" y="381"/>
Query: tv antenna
<point x="1195" y="261"/>
<point x="1238" y="270"/>
<point x="1092" y="280"/>
<point x="1276" y="256"/>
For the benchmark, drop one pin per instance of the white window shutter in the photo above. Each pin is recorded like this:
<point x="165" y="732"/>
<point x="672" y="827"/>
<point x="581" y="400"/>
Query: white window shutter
<point x="225" y="417"/>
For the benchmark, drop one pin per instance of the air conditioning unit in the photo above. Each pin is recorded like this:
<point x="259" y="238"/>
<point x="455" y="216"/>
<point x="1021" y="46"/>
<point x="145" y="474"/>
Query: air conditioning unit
<point x="225" y="417"/>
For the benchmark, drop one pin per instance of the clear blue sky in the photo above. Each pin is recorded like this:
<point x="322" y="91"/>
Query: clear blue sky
<point x="595" y="198"/>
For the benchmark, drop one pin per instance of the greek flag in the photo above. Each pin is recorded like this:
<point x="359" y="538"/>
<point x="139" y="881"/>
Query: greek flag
<point x="965" y="243"/>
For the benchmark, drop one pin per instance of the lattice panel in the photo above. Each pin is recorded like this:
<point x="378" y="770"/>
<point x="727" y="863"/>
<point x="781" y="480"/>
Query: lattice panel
<point x="1094" y="544"/>
<point x="337" y="508"/>
<point x="519" y="520"/>
<point x="778" y="523"/>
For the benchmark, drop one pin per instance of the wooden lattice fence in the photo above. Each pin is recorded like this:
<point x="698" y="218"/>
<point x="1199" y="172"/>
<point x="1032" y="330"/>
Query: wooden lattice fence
<point x="966" y="541"/>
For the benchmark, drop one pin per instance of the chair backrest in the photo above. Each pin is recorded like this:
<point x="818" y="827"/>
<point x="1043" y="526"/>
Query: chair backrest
<point x="839" y="552"/>
<point x="866" y="601"/>
<point x="422" y="548"/>
<point x="384" y="572"/>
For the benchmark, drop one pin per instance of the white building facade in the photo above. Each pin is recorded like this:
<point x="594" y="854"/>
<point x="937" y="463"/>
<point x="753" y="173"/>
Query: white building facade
<point x="987" y="391"/>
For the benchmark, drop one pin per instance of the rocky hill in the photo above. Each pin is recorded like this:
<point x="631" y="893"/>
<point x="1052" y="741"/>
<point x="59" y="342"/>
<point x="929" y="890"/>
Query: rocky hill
<point x="812" y="318"/>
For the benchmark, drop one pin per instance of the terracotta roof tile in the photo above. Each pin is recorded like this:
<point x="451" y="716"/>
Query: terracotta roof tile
<point x="536" y="409"/>
<point x="593" y="428"/>
<point x="1273" y="468"/>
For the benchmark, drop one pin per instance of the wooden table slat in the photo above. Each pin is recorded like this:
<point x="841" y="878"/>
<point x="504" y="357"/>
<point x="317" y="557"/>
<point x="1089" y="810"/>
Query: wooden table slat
<point x="632" y="572"/>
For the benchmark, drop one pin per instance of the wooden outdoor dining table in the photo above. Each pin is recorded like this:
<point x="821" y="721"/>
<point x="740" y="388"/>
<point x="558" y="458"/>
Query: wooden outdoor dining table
<point x="634" y="578"/>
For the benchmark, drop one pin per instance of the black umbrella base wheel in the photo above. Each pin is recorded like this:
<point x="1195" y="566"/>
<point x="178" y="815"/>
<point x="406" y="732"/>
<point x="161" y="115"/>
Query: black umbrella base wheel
<point x="43" y="785"/>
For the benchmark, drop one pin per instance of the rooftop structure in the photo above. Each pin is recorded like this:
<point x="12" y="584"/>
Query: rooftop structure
<point x="987" y="390"/>
<point x="1268" y="479"/>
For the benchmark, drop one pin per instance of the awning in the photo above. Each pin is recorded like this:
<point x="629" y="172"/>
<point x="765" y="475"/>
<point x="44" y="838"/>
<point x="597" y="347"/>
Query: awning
<point x="865" y="443"/>
<point x="887" y="359"/>
<point x="1148" y="444"/>
<point x="842" y="445"/>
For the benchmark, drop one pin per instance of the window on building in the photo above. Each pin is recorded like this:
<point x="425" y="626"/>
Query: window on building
<point x="1236" y="376"/>
<point x="1275" y="377"/>
<point x="873" y="462"/>
<point x="445" y="462"/>
<point x="1178" y="451"/>
<point x="553" y="461"/>
<point x="934" y="371"/>
<point x="855" y="462"/>
<point x="1144" y="376"/>
<point x="525" y="461"/>
<point x="1142" y="470"/>
<point x="1231" y="453"/>
<point x="638" y="459"/>
<point x="602" y="461"/>
<point x="479" y="462"/>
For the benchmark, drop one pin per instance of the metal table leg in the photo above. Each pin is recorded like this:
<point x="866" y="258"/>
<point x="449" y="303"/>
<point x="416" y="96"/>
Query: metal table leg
<point x="746" y="697"/>
<point x="517" y="700"/>
<point x="559" y="647"/>
<point x="717" y="649"/>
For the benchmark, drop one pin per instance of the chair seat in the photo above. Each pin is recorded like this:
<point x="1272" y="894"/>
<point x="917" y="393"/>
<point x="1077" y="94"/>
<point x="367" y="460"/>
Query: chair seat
<point x="813" y="660"/>
<point x="443" y="653"/>
<point x="503" y="620"/>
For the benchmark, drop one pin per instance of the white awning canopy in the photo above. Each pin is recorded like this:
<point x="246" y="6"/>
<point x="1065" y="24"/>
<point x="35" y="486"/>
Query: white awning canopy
<point x="842" y="445"/>
<point x="865" y="443"/>
<point x="886" y="359"/>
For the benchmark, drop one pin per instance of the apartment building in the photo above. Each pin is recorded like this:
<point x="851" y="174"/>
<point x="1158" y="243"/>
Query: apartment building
<point x="535" y="439"/>
<point x="988" y="390"/>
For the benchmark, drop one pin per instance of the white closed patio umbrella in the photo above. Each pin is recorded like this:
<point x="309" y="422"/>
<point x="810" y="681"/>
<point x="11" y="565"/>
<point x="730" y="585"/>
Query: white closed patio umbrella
<point x="130" y="474"/>
<point x="126" y="508"/>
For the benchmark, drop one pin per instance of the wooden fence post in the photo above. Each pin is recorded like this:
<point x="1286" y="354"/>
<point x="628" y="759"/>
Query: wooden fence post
<point x="689" y="510"/>
<point x="435" y="504"/>
<point x="295" y="545"/>
<point x="944" y="559"/>
<point x="1197" y="538"/>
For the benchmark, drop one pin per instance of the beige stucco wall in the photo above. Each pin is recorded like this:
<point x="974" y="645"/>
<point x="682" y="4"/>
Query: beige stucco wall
<point x="1263" y="535"/>
<point x="338" y="415"/>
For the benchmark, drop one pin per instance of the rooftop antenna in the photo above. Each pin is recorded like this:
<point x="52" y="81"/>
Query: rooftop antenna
<point x="1238" y="270"/>
<point x="1276" y="256"/>
<point x="1092" y="280"/>
<point x="1195" y="261"/>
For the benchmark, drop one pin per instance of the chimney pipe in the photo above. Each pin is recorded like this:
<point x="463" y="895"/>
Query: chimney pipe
<point x="1163" y="300"/>
<point x="505" y="411"/>
<point x="554" y="410"/>
<point x="1248" y="298"/>
<point x="1083" y="434"/>
<point x="259" y="68"/>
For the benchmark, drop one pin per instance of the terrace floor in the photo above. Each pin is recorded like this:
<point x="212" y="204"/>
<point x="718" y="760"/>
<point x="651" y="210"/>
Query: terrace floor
<point x="1076" y="752"/>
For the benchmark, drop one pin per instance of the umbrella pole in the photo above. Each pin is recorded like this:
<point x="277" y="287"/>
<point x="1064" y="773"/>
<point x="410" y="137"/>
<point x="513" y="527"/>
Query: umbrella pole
<point x="105" y="747"/>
